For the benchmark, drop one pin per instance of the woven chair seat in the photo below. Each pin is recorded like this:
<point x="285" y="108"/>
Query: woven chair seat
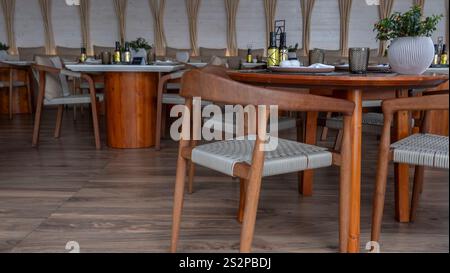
<point x="15" y="84"/>
<point x="290" y="156"/>
<point x="423" y="150"/>
<point x="73" y="99"/>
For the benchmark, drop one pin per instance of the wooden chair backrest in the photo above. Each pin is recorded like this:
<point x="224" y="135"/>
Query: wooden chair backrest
<point x="213" y="84"/>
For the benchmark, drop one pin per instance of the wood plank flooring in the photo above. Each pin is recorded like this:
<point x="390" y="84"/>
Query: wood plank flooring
<point x="121" y="200"/>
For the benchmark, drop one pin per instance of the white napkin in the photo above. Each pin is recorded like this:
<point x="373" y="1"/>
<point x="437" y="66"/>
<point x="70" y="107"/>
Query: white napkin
<point x="318" y="65"/>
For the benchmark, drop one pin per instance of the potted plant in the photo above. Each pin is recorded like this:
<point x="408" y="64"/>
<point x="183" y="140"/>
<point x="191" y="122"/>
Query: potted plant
<point x="140" y="48"/>
<point x="292" y="52"/>
<point x="3" y="51"/>
<point x="411" y="50"/>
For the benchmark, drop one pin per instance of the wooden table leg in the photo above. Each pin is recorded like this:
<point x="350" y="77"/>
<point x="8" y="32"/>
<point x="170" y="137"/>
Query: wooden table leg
<point x="402" y="127"/>
<point x="355" y="193"/>
<point x="305" y="178"/>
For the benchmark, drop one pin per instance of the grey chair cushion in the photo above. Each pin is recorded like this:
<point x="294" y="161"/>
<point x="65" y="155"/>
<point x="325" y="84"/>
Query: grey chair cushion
<point x="172" y="52"/>
<point x="99" y="49"/>
<point x="28" y="53"/>
<point x="423" y="150"/>
<point x="209" y="52"/>
<point x="53" y="86"/>
<point x="98" y="85"/>
<point x="290" y="156"/>
<point x="242" y="53"/>
<point x="68" y="53"/>
<point x="72" y="99"/>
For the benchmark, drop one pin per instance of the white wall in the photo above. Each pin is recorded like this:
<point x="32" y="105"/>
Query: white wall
<point x="211" y="24"/>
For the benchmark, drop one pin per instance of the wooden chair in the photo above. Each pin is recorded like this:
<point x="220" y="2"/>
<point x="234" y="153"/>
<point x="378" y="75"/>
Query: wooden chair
<point x="12" y="84"/>
<point x="421" y="150"/>
<point x="50" y="80"/>
<point x="243" y="159"/>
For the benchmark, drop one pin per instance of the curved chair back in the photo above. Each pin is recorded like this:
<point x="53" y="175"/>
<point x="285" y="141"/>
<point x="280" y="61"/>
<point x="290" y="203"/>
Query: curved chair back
<point x="212" y="83"/>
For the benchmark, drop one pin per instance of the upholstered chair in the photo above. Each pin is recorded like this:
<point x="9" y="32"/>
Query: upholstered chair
<point x="28" y="53"/>
<point x="54" y="91"/>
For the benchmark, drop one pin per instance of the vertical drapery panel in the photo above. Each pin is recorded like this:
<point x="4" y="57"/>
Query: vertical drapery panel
<point x="270" y="7"/>
<point x="8" y="7"/>
<point x="446" y="25"/>
<point x="120" y="6"/>
<point x="46" y="11"/>
<point x="231" y="7"/>
<point x="384" y="10"/>
<point x="192" y="8"/>
<point x="307" y="9"/>
<point x="157" y="8"/>
<point x="345" y="7"/>
<point x="84" y="11"/>
<point x="420" y="3"/>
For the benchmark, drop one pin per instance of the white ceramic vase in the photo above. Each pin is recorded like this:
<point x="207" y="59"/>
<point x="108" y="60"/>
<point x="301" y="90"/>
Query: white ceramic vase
<point x="411" y="55"/>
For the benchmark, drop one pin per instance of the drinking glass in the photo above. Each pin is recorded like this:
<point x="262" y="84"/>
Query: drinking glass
<point x="316" y="56"/>
<point x="106" y="57"/>
<point x="358" y="59"/>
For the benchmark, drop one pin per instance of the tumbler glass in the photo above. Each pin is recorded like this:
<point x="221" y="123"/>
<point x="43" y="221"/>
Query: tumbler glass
<point x="316" y="56"/>
<point x="358" y="59"/>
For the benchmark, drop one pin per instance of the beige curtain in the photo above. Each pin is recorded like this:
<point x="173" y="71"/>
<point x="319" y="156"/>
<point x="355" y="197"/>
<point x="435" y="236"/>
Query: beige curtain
<point x="192" y="8"/>
<point x="46" y="11"/>
<point x="345" y="7"/>
<point x="120" y="7"/>
<point x="231" y="7"/>
<point x="421" y="3"/>
<point x="307" y="8"/>
<point x="8" y="7"/>
<point x="446" y="25"/>
<point x="384" y="11"/>
<point x="157" y="8"/>
<point x="270" y="7"/>
<point x="83" y="10"/>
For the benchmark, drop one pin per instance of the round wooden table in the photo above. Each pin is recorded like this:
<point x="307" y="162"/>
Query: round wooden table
<point x="354" y="88"/>
<point x="130" y="100"/>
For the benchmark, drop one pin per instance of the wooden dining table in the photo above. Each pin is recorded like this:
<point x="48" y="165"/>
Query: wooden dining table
<point x="355" y="88"/>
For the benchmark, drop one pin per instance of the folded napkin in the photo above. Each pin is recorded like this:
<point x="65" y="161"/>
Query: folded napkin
<point x="318" y="65"/>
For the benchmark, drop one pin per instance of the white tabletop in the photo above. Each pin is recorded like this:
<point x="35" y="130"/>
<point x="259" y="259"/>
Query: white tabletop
<point x="123" y="68"/>
<point x="18" y="63"/>
<point x="252" y="65"/>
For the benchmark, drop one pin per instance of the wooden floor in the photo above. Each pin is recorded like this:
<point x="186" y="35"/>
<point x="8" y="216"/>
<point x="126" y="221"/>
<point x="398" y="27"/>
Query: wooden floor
<point x="121" y="200"/>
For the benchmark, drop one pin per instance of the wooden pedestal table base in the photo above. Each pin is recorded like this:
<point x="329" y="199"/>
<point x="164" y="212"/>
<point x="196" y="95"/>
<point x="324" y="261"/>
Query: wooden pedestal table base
<point x="130" y="99"/>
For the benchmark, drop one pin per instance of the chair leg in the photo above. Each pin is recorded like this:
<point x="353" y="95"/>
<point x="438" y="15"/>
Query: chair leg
<point x="191" y="171"/>
<point x="163" y="121"/>
<point x="379" y="194"/>
<point x="178" y="200"/>
<point x="10" y="98"/>
<point x="191" y="177"/>
<point x="324" y="135"/>
<point x="338" y="141"/>
<point x="39" y="106"/>
<point x="417" y="190"/>
<point x="59" y="121"/>
<point x="30" y="98"/>
<point x="159" y="118"/>
<point x="252" y="198"/>
<point x="98" y="145"/>
<point x="243" y="189"/>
